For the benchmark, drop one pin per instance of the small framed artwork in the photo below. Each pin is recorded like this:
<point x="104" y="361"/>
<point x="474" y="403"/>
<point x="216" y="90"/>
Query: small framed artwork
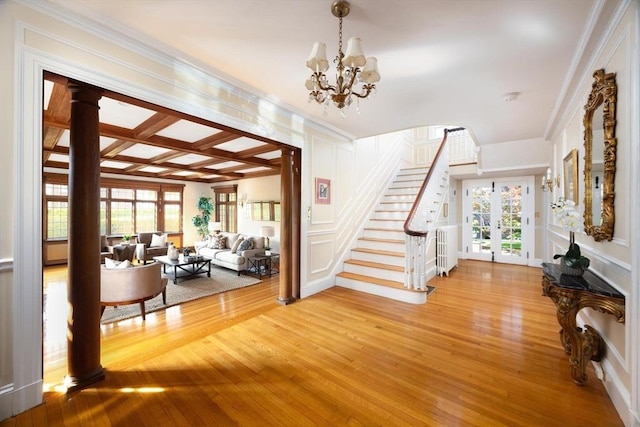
<point x="323" y="191"/>
<point x="571" y="176"/>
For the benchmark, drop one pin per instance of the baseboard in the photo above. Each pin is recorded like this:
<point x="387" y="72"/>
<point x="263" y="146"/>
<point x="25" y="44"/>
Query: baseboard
<point x="5" y="402"/>
<point x="14" y="401"/>
<point x="618" y="394"/>
<point x="312" y="288"/>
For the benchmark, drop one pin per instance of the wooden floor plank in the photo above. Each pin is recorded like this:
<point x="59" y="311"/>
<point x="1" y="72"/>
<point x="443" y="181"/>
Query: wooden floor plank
<point x="483" y="351"/>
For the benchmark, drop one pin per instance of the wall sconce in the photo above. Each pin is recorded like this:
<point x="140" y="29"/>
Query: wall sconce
<point x="548" y="182"/>
<point x="243" y="200"/>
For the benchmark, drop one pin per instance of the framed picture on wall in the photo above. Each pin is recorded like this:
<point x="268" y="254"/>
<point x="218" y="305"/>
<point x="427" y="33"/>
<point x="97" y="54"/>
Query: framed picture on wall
<point x="571" y="176"/>
<point x="323" y="191"/>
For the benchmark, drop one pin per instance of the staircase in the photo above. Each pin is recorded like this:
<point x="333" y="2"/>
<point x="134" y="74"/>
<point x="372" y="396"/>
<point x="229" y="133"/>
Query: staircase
<point x="377" y="264"/>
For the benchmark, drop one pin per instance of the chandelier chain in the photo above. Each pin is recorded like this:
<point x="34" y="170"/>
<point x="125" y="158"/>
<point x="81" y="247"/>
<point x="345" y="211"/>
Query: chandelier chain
<point x="340" y="54"/>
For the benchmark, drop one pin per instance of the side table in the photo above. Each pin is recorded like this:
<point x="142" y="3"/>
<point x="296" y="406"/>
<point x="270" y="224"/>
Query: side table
<point x="263" y="265"/>
<point x="571" y="294"/>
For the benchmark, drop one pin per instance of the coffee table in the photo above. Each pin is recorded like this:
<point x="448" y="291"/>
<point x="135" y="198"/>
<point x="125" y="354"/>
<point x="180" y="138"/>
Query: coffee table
<point x="184" y="267"/>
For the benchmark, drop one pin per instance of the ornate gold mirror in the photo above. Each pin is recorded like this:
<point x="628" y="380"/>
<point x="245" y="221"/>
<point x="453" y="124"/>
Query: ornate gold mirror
<point x="600" y="156"/>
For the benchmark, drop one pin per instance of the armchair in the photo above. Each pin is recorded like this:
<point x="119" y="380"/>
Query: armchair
<point x="104" y="249"/>
<point x="122" y="286"/>
<point x="145" y="251"/>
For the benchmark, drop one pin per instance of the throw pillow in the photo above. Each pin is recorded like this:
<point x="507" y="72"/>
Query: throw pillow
<point x="246" y="244"/>
<point x="235" y="246"/>
<point x="158" y="241"/>
<point x="125" y="264"/>
<point x="110" y="263"/>
<point x="219" y="242"/>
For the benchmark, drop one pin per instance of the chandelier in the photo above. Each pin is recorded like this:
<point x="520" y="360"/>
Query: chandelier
<point x="352" y="69"/>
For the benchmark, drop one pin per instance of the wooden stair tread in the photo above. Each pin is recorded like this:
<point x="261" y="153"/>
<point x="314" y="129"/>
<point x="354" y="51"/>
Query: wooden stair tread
<point x="395" y="230"/>
<point x="390" y="219"/>
<point x="376" y="281"/>
<point x="379" y="252"/>
<point x="374" y="239"/>
<point x="374" y="265"/>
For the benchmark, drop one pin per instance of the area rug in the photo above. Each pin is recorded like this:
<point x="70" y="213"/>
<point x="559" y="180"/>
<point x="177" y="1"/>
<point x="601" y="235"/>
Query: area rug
<point x="187" y="289"/>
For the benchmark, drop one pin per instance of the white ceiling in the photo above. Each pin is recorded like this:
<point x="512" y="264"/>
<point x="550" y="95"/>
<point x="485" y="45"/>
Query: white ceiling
<point x="446" y="62"/>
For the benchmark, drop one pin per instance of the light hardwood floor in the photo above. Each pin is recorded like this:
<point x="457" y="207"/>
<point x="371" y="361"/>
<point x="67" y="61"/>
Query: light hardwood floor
<point x="483" y="351"/>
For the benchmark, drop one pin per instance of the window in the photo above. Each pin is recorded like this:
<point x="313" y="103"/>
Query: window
<point x="172" y="211"/>
<point x="226" y="204"/>
<point x="57" y="210"/>
<point x="126" y="207"/>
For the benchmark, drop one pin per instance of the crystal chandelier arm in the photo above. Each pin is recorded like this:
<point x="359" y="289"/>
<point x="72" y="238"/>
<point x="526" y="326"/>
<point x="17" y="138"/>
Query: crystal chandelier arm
<point x="366" y="91"/>
<point x="325" y="86"/>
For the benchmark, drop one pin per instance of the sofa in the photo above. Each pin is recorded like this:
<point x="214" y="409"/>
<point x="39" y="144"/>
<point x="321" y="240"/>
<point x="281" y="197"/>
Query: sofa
<point x="150" y="246"/>
<point x="135" y="284"/>
<point x="227" y="249"/>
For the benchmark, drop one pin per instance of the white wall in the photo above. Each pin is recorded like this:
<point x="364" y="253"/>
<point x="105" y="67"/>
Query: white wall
<point x="259" y="189"/>
<point x="617" y="53"/>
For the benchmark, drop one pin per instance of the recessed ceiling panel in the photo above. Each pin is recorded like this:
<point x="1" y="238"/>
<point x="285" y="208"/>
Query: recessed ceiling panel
<point x="55" y="157"/>
<point x="105" y="141"/>
<point x="185" y="130"/>
<point x="224" y="165"/>
<point x="114" y="165"/>
<point x="188" y="159"/>
<point x="270" y="155"/>
<point x="184" y="173"/>
<point x="253" y="170"/>
<point x="121" y="114"/>
<point x="144" y="151"/>
<point x="240" y="144"/>
<point x="152" y="169"/>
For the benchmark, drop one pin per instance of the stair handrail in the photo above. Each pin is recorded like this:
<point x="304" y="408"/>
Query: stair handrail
<point x="423" y="187"/>
<point x="416" y="242"/>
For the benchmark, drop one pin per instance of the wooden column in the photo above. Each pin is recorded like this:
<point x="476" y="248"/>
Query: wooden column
<point x="285" y="295"/>
<point x="83" y="289"/>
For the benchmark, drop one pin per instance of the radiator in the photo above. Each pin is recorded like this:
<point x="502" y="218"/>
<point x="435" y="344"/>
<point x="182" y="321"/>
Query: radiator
<point x="446" y="249"/>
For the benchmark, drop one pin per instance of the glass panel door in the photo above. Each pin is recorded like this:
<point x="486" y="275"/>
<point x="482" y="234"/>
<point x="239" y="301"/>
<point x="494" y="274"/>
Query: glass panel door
<point x="493" y="226"/>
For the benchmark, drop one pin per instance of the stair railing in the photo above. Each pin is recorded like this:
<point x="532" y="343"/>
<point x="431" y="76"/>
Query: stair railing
<point x="420" y="219"/>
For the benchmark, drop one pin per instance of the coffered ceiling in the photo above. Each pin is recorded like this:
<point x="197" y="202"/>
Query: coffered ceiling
<point x="141" y="139"/>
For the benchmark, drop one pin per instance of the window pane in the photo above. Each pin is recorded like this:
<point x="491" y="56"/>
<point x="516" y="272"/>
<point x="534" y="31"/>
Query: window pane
<point x="231" y="224"/>
<point x="103" y="193"/>
<point x="172" y="196"/>
<point x="121" y="217"/>
<point x="146" y="195"/>
<point x="121" y="193"/>
<point x="57" y="219"/>
<point x="145" y="217"/>
<point x="276" y="211"/>
<point x="232" y="197"/>
<point x="172" y="218"/>
<point x="103" y="217"/>
<point x="56" y="190"/>
<point x="223" y="219"/>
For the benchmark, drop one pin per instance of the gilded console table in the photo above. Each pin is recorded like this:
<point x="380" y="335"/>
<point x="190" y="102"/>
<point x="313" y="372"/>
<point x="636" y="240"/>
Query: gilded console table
<point x="570" y="295"/>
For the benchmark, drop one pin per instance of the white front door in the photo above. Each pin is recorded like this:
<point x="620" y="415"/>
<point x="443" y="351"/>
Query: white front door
<point x="498" y="219"/>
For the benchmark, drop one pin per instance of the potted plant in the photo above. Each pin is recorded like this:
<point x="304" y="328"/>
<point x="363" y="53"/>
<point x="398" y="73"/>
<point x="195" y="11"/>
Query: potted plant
<point x="126" y="239"/>
<point x="201" y="221"/>
<point x="573" y="263"/>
